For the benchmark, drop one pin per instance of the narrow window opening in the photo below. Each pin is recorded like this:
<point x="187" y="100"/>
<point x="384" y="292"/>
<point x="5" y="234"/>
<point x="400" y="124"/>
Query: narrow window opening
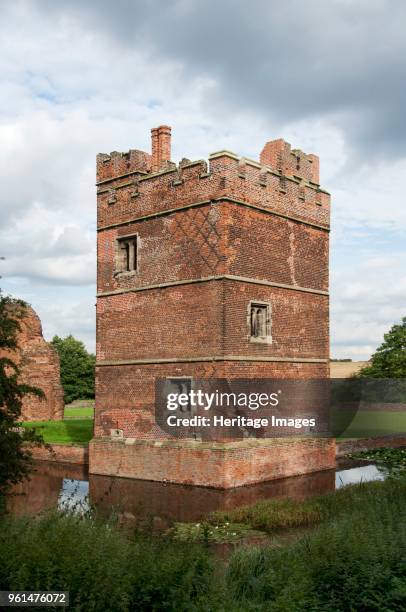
<point x="126" y="260"/>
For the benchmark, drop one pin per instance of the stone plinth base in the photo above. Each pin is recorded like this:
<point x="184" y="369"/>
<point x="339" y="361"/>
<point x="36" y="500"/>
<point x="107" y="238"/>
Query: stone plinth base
<point x="211" y="464"/>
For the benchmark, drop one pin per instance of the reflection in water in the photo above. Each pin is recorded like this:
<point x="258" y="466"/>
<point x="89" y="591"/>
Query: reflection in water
<point x="69" y="487"/>
<point x="364" y="473"/>
<point x="140" y="499"/>
<point x="74" y="495"/>
<point x="42" y="490"/>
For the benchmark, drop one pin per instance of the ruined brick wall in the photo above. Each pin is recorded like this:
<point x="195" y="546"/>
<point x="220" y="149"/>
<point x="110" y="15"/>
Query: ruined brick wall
<point x="39" y="364"/>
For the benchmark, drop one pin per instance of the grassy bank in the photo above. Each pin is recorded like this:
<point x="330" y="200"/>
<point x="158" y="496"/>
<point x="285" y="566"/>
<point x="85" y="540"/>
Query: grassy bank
<point x="273" y="516"/>
<point x="354" y="559"/>
<point x="79" y="412"/>
<point x="76" y="427"/>
<point x="79" y="431"/>
<point x="101" y="568"/>
<point x="370" y="423"/>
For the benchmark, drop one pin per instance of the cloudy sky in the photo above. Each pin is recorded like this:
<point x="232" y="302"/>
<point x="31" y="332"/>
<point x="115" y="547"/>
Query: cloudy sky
<point x="81" y="77"/>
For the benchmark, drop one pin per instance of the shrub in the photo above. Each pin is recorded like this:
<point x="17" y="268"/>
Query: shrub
<point x="77" y="368"/>
<point x="357" y="562"/>
<point x="270" y="515"/>
<point x="102" y="568"/>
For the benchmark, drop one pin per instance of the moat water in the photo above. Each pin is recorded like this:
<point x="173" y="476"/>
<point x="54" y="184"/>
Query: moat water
<point x="64" y="486"/>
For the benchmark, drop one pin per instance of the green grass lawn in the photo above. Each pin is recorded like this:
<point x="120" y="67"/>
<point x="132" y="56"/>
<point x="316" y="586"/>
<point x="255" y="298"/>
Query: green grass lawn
<point x="77" y="427"/>
<point x="86" y="412"/>
<point x="371" y="423"/>
<point x="70" y="431"/>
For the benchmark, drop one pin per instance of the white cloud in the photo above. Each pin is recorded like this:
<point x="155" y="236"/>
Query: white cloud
<point x="367" y="300"/>
<point x="63" y="318"/>
<point x="80" y="78"/>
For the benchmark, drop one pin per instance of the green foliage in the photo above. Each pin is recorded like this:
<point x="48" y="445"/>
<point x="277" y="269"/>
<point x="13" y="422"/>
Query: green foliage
<point x="102" y="568"/>
<point x="392" y="459"/>
<point x="389" y="360"/>
<point x="70" y="431"/>
<point x="354" y="562"/>
<point x="227" y="533"/>
<point x="273" y="514"/>
<point x="77" y="368"/>
<point x="15" y="458"/>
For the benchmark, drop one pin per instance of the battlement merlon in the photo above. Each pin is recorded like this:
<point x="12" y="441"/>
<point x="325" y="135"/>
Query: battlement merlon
<point x="291" y="162"/>
<point x="114" y="164"/>
<point x="277" y="155"/>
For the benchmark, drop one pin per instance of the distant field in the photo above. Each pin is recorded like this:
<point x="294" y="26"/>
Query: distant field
<point x="64" y="432"/>
<point x="81" y="403"/>
<point x="345" y="369"/>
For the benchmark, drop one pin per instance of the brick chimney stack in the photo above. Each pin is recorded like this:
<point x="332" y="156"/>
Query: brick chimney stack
<point x="161" y="146"/>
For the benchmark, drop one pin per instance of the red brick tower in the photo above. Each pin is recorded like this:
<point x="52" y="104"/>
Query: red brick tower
<point x="186" y="255"/>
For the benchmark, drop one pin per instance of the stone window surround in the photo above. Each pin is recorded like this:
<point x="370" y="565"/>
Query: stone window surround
<point x="118" y="271"/>
<point x="260" y="339"/>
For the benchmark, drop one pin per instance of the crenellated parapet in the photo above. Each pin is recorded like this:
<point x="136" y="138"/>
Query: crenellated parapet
<point x="111" y="165"/>
<point x="198" y="208"/>
<point x="129" y="188"/>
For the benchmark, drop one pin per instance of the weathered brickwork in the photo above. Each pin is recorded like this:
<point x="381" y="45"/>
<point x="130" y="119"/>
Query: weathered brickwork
<point x="61" y="453"/>
<point x="210" y="238"/>
<point x="219" y="465"/>
<point x="133" y="408"/>
<point x="174" y="322"/>
<point x="39" y="367"/>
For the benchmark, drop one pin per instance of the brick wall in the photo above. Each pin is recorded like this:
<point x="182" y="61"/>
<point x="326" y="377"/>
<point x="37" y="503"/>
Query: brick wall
<point x="279" y="154"/>
<point x="61" y="453"/>
<point x="132" y="408"/>
<point x="211" y="238"/>
<point x="217" y="465"/>
<point x="39" y="367"/>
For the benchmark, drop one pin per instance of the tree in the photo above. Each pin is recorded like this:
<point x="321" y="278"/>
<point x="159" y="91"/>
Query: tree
<point x="77" y="368"/>
<point x="389" y="360"/>
<point x="15" y="456"/>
